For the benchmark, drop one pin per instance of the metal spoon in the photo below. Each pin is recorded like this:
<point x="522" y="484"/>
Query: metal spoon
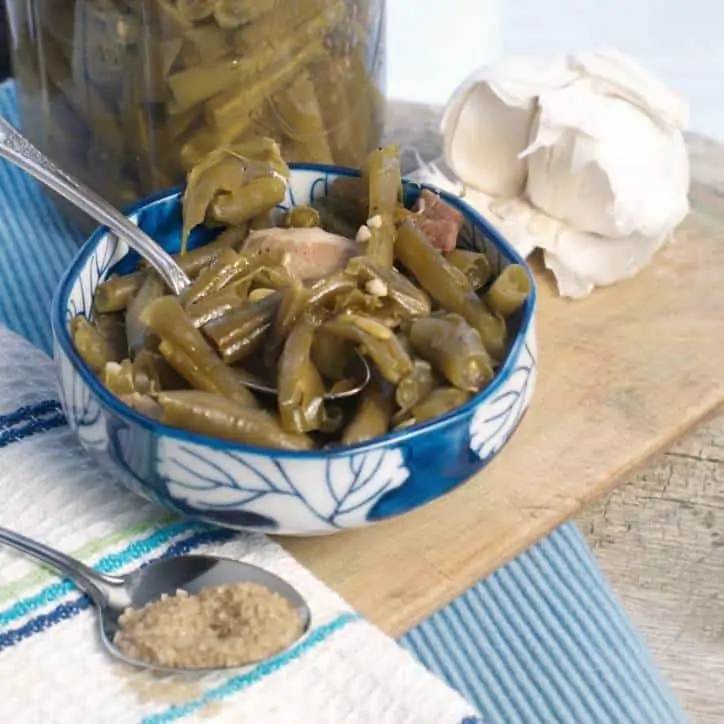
<point x="17" y="149"/>
<point x="112" y="595"/>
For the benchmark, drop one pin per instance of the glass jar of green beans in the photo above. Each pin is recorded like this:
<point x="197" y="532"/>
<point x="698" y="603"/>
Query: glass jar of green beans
<point x="129" y="94"/>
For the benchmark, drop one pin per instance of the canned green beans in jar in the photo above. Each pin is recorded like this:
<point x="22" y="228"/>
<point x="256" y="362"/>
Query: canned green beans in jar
<point x="130" y="94"/>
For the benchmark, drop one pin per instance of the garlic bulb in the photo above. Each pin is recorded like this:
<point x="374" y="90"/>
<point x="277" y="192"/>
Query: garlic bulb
<point x="581" y="156"/>
<point x="505" y="96"/>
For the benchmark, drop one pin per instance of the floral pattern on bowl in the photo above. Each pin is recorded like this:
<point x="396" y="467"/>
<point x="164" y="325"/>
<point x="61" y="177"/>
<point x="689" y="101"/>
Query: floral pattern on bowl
<point x="244" y="487"/>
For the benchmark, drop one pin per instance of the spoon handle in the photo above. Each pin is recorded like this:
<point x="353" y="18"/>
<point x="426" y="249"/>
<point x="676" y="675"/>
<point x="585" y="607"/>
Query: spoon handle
<point x="15" y="148"/>
<point x="96" y="585"/>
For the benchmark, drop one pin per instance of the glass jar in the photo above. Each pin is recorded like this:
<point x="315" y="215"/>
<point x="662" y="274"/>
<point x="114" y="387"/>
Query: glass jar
<point x="129" y="94"/>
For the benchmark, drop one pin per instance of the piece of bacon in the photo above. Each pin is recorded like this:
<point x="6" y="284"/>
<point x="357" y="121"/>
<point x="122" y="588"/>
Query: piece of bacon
<point x="441" y="233"/>
<point x="439" y="221"/>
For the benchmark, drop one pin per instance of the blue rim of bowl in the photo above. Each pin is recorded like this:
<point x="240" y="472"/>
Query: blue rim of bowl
<point x="106" y="398"/>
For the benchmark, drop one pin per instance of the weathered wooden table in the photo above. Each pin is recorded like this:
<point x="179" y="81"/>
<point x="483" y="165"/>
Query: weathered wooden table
<point x="659" y="535"/>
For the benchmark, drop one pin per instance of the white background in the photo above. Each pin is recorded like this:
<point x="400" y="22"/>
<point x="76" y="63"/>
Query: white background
<point x="680" y="41"/>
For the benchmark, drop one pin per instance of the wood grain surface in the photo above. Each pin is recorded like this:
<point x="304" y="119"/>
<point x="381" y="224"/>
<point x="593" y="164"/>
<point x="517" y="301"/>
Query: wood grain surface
<point x="623" y="374"/>
<point x="659" y="537"/>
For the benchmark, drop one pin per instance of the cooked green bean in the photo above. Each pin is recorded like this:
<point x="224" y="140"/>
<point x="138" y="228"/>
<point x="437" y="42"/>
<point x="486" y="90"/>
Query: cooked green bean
<point x="327" y="290"/>
<point x="188" y="352"/>
<point x="439" y="402"/>
<point x="198" y="83"/>
<point x="332" y="356"/>
<point x="415" y="386"/>
<point x="210" y="414"/>
<point x="200" y="48"/>
<point x="230" y="112"/>
<point x="90" y="344"/>
<point x="234" y="184"/>
<point x="431" y="270"/>
<point x="373" y="415"/>
<point x="151" y="373"/>
<point x="256" y="33"/>
<point x="144" y="404"/>
<point x="225" y="268"/>
<point x="301" y="117"/>
<point x="385" y="190"/>
<point x="192" y="262"/>
<point x="217" y="305"/>
<point x="473" y="264"/>
<point x="374" y="340"/>
<point x="301" y="217"/>
<point x="294" y="301"/>
<point x="116" y="293"/>
<point x="229" y="268"/>
<point x="112" y="328"/>
<point x="137" y="333"/>
<point x="240" y="333"/>
<point x="454" y="349"/>
<point x="271" y="277"/>
<point x="300" y="390"/>
<point x="253" y="199"/>
<point x="359" y="302"/>
<point x="388" y="282"/>
<point x="509" y="291"/>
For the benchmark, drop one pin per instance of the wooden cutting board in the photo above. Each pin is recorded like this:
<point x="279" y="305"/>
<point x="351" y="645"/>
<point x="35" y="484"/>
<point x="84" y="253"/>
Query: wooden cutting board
<point x="622" y="374"/>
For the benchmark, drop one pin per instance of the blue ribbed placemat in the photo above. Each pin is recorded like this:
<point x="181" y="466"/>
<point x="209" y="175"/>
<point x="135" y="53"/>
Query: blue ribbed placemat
<point x="542" y="640"/>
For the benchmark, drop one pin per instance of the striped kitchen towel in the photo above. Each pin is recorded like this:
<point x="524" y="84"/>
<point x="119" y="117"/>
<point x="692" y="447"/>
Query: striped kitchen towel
<point x="53" y="667"/>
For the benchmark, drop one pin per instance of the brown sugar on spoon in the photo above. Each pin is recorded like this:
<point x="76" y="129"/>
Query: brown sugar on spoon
<point x="220" y="627"/>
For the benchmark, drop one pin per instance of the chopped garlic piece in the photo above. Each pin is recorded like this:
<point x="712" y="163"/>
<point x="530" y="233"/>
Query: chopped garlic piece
<point x="363" y="234"/>
<point x="376" y="287"/>
<point x="375" y="222"/>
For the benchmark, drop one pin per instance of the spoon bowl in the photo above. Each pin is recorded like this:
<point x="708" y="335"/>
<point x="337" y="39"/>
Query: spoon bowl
<point x="112" y="595"/>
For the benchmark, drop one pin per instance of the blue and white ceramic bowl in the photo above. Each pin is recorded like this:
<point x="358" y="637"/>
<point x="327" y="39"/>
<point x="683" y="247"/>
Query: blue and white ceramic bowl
<point x="291" y="493"/>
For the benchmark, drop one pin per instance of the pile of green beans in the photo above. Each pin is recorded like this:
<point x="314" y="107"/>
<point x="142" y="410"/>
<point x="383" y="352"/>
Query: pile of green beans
<point x="432" y="325"/>
<point x="130" y="94"/>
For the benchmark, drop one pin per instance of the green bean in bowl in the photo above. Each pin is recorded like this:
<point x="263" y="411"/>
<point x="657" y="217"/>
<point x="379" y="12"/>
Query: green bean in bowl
<point x="285" y="297"/>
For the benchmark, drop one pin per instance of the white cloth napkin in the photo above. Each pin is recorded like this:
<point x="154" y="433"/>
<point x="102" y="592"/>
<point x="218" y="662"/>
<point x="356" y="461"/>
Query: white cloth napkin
<point x="53" y="668"/>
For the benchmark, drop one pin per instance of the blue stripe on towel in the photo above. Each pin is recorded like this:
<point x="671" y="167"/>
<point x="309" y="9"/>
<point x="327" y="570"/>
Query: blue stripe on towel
<point x="71" y="609"/>
<point x="30" y="428"/>
<point x="236" y="684"/>
<point x="30" y="420"/>
<point x="29" y="412"/>
<point x="109" y="564"/>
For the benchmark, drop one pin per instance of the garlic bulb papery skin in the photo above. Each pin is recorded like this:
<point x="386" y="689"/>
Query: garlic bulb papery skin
<point x="605" y="166"/>
<point x="582" y="157"/>
<point x="488" y="120"/>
